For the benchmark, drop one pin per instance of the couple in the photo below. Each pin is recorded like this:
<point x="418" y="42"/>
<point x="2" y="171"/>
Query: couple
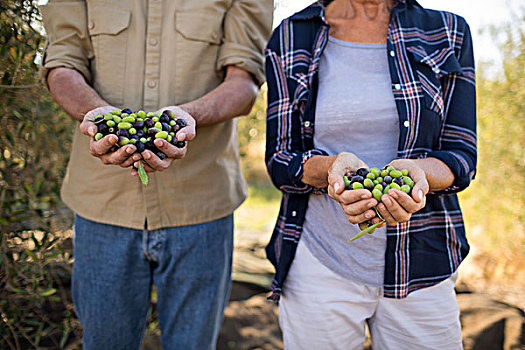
<point x="380" y="82"/>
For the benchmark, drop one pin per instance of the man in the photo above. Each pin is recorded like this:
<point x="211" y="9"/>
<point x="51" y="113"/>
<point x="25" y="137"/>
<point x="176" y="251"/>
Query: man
<point x="203" y="61"/>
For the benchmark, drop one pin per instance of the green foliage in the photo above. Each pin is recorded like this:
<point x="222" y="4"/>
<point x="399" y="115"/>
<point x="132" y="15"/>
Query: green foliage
<point x="34" y="142"/>
<point x="494" y="203"/>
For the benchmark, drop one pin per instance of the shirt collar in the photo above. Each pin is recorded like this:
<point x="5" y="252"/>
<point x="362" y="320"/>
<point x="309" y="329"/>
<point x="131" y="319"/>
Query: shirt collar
<point x="316" y="10"/>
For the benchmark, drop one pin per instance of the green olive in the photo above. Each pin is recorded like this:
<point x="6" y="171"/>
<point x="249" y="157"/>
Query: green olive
<point x="141" y="114"/>
<point x="158" y="125"/>
<point x="404" y="172"/>
<point x="124" y="125"/>
<point x="395" y="173"/>
<point x="385" y="190"/>
<point x="129" y="119"/>
<point x="376" y="171"/>
<point x="108" y="116"/>
<point x="357" y="185"/>
<point x="405" y="188"/>
<point x="377" y="193"/>
<point x="394" y="185"/>
<point x="132" y="131"/>
<point x="98" y="136"/>
<point x="155" y="119"/>
<point x="117" y="119"/>
<point x="161" y="135"/>
<point x="371" y="175"/>
<point x="378" y="187"/>
<point x="345" y="178"/>
<point x="384" y="173"/>
<point x="110" y="123"/>
<point x="117" y="112"/>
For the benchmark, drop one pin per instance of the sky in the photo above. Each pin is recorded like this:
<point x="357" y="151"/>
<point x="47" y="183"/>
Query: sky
<point x="480" y="14"/>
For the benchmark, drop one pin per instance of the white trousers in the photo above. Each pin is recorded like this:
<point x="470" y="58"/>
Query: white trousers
<point x="320" y="310"/>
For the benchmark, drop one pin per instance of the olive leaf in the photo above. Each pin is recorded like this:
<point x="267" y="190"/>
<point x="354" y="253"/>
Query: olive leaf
<point x="142" y="174"/>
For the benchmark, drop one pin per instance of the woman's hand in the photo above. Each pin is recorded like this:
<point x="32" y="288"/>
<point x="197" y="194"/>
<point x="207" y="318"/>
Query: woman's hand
<point x="396" y="206"/>
<point x="123" y="156"/>
<point x="357" y="204"/>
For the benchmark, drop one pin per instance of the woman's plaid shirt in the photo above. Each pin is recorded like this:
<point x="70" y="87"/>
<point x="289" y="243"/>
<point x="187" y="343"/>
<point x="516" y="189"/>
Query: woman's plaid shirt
<point x="432" y="70"/>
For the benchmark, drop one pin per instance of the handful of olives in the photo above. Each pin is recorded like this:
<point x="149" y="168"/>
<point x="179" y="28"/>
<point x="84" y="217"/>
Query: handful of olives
<point x="140" y="129"/>
<point x="378" y="182"/>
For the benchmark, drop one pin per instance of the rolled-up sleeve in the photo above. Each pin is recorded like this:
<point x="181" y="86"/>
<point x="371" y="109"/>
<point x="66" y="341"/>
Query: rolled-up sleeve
<point x="247" y="26"/>
<point x="285" y="152"/>
<point x="68" y="44"/>
<point x="458" y="146"/>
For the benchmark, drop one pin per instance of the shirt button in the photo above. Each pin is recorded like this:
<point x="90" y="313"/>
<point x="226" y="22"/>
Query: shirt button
<point x="406" y="123"/>
<point x="398" y="86"/>
<point x="153" y="42"/>
<point x="306" y="124"/>
<point x="152" y="84"/>
<point x="91" y="25"/>
<point x="294" y="213"/>
<point x="392" y="53"/>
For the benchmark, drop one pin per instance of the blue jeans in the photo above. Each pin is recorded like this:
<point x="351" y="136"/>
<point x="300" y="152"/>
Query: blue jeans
<point x="114" y="270"/>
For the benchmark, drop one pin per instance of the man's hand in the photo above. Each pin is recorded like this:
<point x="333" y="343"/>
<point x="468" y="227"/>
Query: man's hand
<point x="152" y="162"/>
<point x="101" y="149"/>
<point x="397" y="206"/>
<point x="357" y="204"/>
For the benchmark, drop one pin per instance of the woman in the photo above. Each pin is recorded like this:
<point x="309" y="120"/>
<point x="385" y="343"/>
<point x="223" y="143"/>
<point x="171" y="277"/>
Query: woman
<point x="365" y="83"/>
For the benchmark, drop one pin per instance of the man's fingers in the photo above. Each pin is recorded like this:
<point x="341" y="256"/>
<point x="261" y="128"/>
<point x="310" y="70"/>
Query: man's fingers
<point x="404" y="200"/>
<point x="87" y="127"/>
<point x="120" y="156"/>
<point x="155" y="162"/>
<point x="102" y="146"/>
<point x="169" y="150"/>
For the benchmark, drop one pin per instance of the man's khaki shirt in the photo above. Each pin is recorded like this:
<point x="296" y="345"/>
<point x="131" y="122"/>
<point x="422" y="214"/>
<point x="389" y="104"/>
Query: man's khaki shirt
<point x="145" y="55"/>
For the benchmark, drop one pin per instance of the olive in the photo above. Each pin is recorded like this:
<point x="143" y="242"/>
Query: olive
<point x="149" y="123"/>
<point x="169" y="113"/>
<point x="111" y="123"/>
<point x="179" y="144"/>
<point x="357" y="185"/>
<point x="103" y="128"/>
<point x="165" y="126"/>
<point x="164" y="118"/>
<point x="398" y="181"/>
<point x="98" y="136"/>
<point x="108" y="116"/>
<point x="368" y="183"/>
<point x="134" y="137"/>
<point x="404" y="172"/>
<point x="384" y="173"/>
<point x="387" y="179"/>
<point x="371" y="175"/>
<point x="129" y="119"/>
<point x="158" y="125"/>
<point x="375" y="171"/>
<point x="362" y="172"/>
<point x="394" y="185"/>
<point x="161" y="135"/>
<point x="378" y="187"/>
<point x="141" y="114"/>
<point x="377" y="193"/>
<point x="117" y="119"/>
<point x="153" y="131"/>
<point x="140" y="133"/>
<point x="395" y="173"/>
<point x="98" y="119"/>
<point x="357" y="178"/>
<point x="140" y="147"/>
<point x="181" y="122"/>
<point x="123" y="132"/>
<point x="347" y="181"/>
<point x="127" y="111"/>
<point x="124" y="125"/>
<point x="405" y="188"/>
<point x="384" y="184"/>
<point x="161" y="155"/>
<point x="385" y="190"/>
<point x="122" y="140"/>
<point x="138" y="124"/>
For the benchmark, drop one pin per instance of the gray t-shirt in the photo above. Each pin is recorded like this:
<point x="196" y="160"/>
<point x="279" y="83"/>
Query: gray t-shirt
<point x="355" y="113"/>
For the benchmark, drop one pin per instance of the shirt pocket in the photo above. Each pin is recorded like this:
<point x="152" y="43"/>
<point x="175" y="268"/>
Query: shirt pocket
<point x="200" y="34"/>
<point x="432" y="69"/>
<point x="108" y="32"/>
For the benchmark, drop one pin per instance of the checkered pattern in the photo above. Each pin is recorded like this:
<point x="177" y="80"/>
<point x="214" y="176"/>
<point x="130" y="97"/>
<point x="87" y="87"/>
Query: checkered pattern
<point x="433" y="83"/>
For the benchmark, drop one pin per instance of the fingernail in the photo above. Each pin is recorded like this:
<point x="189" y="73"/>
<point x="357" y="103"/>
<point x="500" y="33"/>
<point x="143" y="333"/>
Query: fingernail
<point x="368" y="215"/>
<point x="371" y="204"/>
<point x="364" y="196"/>
<point x="147" y="155"/>
<point x="92" y="130"/>
<point x="336" y="187"/>
<point x="181" y="136"/>
<point x="129" y="150"/>
<point x="158" y="143"/>
<point x="420" y="194"/>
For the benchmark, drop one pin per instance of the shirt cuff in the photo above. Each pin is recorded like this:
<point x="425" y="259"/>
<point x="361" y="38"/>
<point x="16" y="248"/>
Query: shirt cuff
<point x="459" y="167"/>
